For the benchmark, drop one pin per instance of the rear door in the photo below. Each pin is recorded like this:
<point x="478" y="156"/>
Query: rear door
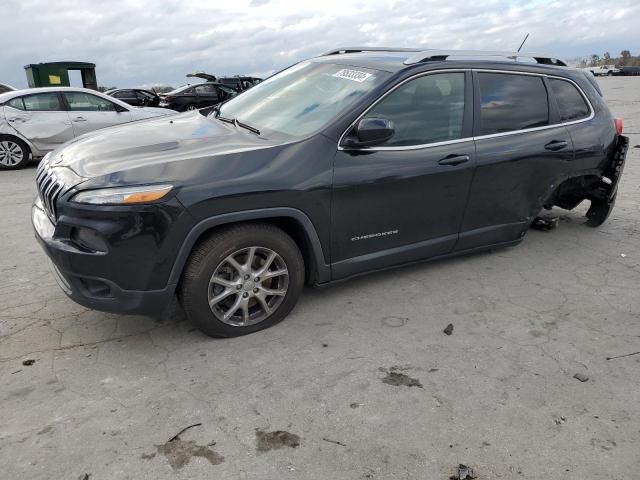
<point x="404" y="200"/>
<point x="41" y="119"/>
<point x="89" y="112"/>
<point x="521" y="157"/>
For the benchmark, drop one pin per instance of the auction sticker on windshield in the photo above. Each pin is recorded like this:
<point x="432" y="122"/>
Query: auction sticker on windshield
<point x="355" y="75"/>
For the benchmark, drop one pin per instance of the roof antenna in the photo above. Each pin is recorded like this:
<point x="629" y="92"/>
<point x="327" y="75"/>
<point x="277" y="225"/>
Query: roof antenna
<point x="525" y="39"/>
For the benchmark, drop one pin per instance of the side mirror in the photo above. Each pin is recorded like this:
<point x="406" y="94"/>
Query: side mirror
<point x="370" y="132"/>
<point x="121" y="109"/>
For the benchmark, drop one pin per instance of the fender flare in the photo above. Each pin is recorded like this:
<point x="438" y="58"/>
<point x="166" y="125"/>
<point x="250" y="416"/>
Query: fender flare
<point x="323" y="269"/>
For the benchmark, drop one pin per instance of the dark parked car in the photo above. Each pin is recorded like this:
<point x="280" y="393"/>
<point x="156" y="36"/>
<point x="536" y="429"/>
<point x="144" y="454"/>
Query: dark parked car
<point x="629" y="71"/>
<point x="193" y="97"/>
<point x="136" y="97"/>
<point x="353" y="161"/>
<point x="240" y="83"/>
<point x="4" y="88"/>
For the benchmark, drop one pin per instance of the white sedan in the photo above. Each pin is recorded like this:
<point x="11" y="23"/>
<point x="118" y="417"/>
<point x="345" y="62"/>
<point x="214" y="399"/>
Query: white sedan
<point x="35" y="121"/>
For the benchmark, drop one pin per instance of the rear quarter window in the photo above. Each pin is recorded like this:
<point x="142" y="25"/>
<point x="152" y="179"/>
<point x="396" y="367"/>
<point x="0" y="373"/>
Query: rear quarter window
<point x="571" y="103"/>
<point x="17" y="103"/>
<point x="510" y="102"/>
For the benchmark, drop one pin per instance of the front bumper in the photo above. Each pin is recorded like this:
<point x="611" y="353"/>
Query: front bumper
<point x="72" y="266"/>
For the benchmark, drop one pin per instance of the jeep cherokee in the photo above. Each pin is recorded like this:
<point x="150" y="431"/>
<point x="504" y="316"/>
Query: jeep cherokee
<point x="353" y="161"/>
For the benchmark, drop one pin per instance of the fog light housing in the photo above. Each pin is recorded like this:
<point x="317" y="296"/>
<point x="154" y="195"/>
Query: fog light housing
<point x="96" y="288"/>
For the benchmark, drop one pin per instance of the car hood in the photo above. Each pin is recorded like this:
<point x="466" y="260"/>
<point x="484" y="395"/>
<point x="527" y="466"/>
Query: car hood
<point x="140" y="113"/>
<point x="155" y="142"/>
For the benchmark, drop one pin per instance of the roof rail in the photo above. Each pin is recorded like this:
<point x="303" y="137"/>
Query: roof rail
<point x="420" y="55"/>
<point x="435" y="55"/>
<point x="337" y="51"/>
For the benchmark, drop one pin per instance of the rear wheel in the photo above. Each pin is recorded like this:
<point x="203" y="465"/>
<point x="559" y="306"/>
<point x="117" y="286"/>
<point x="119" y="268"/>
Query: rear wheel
<point x="14" y="153"/>
<point x="242" y="279"/>
<point x="191" y="106"/>
<point x="599" y="211"/>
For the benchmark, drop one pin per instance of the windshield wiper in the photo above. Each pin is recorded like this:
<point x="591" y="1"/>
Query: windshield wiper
<point x="244" y="125"/>
<point x="233" y="121"/>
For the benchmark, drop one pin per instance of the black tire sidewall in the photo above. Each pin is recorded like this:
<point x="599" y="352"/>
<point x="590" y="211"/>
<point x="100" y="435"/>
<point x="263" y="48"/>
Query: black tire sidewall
<point x="26" y="152"/>
<point x="196" y="283"/>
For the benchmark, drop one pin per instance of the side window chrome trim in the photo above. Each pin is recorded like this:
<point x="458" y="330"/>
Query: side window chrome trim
<point x="468" y="139"/>
<point x="392" y="89"/>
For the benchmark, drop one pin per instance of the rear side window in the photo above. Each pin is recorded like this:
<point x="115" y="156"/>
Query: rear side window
<point x="571" y="103"/>
<point x="42" y="102"/>
<point x="426" y="110"/>
<point x="124" y="94"/>
<point x="510" y="102"/>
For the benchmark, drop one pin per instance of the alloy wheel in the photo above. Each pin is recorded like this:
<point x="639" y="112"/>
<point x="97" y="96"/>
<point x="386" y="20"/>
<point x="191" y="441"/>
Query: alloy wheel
<point x="248" y="286"/>
<point x="10" y="153"/>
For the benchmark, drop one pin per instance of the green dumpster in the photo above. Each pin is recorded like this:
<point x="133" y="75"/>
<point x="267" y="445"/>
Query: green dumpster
<point x="56" y="74"/>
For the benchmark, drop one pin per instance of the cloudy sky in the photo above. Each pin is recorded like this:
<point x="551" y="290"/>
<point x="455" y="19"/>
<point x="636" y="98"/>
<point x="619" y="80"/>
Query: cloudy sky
<point x="145" y="42"/>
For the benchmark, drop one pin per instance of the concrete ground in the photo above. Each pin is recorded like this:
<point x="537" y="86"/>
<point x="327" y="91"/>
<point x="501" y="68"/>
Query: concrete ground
<point x="360" y="382"/>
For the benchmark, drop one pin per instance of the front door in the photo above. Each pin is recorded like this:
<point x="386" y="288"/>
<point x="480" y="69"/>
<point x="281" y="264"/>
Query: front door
<point x="89" y="112"/>
<point x="41" y="119"/>
<point x="404" y="200"/>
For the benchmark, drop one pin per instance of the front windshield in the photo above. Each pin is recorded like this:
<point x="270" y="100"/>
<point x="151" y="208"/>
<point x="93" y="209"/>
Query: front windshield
<point x="302" y="99"/>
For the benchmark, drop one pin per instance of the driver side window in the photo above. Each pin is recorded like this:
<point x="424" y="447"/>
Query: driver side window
<point x="425" y="110"/>
<point x="85" y="102"/>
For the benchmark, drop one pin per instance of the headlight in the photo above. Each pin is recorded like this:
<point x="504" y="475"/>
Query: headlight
<point x="122" y="195"/>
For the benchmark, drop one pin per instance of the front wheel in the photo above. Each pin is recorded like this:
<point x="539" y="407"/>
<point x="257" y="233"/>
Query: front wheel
<point x="190" y="107"/>
<point x="242" y="279"/>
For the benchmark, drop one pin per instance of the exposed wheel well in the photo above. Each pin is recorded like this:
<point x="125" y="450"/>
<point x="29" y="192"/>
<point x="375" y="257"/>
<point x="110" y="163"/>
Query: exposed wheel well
<point x="290" y="226"/>
<point x="574" y="190"/>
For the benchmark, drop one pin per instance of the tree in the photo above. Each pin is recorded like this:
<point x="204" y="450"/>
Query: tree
<point x="595" y="58"/>
<point x="606" y="58"/>
<point x="625" y="56"/>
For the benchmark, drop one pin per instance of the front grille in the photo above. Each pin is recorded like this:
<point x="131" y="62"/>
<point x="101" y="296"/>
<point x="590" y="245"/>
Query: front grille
<point x="49" y="188"/>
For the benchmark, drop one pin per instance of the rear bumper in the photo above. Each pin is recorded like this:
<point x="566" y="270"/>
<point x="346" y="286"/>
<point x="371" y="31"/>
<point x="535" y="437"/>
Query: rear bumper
<point x="93" y="292"/>
<point x="614" y="170"/>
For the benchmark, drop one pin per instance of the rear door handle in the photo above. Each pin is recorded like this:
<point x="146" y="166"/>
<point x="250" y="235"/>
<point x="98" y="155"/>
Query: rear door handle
<point x="79" y="119"/>
<point x="556" y="145"/>
<point x="454" y="160"/>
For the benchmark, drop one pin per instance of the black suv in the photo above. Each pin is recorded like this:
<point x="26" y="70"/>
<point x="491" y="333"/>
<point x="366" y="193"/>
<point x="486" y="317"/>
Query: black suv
<point x="194" y="97"/>
<point x="357" y="160"/>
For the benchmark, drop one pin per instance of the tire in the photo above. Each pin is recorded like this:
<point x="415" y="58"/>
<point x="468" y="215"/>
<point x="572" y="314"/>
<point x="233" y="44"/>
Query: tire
<point x="14" y="153"/>
<point x="190" y="107"/>
<point x="599" y="211"/>
<point x="210" y="259"/>
<point x="609" y="74"/>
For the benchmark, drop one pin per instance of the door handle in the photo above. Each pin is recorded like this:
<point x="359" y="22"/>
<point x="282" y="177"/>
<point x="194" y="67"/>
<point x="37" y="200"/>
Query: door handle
<point x="17" y="119"/>
<point x="556" y="145"/>
<point x="79" y="119"/>
<point x="454" y="160"/>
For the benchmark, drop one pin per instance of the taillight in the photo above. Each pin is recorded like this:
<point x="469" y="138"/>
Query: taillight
<point x="618" y="123"/>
